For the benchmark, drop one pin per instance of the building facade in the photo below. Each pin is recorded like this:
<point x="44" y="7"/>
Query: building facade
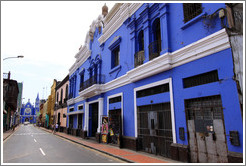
<point x="19" y="103"/>
<point x="10" y="95"/>
<point x="28" y="112"/>
<point x="61" y="103"/>
<point x="50" y="116"/>
<point x="159" y="78"/>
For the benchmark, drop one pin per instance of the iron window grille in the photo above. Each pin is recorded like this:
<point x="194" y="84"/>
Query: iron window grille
<point x="191" y="10"/>
<point x="203" y="111"/>
<point x="153" y="90"/>
<point x="115" y="100"/>
<point x="201" y="79"/>
<point x="139" y="58"/>
<point x="154" y="49"/>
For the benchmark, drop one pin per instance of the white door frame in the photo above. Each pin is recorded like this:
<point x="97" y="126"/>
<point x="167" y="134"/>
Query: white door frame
<point x="169" y="81"/>
<point x="117" y="95"/>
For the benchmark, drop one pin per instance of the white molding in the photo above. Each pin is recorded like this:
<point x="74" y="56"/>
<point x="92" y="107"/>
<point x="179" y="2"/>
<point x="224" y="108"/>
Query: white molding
<point x="75" y="112"/>
<point x="83" y="54"/>
<point x="165" y="81"/>
<point x="124" y="11"/>
<point x="172" y="110"/>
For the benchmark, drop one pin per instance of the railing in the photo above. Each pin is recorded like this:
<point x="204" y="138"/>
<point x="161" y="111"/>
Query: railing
<point x="154" y="49"/>
<point x="96" y="79"/>
<point x="139" y="58"/>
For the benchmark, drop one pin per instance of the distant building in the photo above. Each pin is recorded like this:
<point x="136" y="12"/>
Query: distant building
<point x="49" y="117"/>
<point x="61" y="103"/>
<point x="19" y="102"/>
<point x="28" y="113"/>
<point x="10" y="95"/>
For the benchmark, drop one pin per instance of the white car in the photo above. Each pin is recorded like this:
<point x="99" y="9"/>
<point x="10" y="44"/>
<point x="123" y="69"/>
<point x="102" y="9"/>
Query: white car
<point x="26" y="123"/>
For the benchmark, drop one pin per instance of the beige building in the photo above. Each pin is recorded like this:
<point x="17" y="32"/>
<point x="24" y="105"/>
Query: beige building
<point x="61" y="103"/>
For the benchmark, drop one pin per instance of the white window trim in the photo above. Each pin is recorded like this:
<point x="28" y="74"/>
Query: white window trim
<point x="122" y="109"/>
<point x="168" y="80"/>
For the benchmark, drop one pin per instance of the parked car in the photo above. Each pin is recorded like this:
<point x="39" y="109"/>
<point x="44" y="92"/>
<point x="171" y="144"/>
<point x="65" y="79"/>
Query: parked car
<point x="26" y="123"/>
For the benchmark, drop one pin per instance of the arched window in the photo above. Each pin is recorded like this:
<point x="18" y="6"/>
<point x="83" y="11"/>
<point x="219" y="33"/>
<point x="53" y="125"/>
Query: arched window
<point x="155" y="45"/>
<point x="141" y="41"/>
<point x="139" y="55"/>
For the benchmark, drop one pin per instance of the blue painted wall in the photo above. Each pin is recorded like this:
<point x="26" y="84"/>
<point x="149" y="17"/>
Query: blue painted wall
<point x="175" y="35"/>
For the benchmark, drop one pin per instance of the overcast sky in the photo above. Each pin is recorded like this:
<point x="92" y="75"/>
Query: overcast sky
<point x="48" y="35"/>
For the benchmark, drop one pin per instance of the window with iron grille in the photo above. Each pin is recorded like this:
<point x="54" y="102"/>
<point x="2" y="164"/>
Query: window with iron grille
<point x="201" y="79"/>
<point x="153" y="90"/>
<point x="115" y="100"/>
<point x="203" y="111"/>
<point x="191" y="10"/>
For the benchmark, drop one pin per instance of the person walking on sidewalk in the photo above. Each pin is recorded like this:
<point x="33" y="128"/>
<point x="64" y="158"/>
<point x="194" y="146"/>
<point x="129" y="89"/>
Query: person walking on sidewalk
<point x="57" y="126"/>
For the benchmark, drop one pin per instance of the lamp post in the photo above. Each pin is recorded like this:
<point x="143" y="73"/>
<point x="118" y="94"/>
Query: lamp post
<point x="19" y="56"/>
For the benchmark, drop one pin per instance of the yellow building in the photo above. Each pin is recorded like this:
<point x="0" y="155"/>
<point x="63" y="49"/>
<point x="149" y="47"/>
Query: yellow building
<point x="51" y="104"/>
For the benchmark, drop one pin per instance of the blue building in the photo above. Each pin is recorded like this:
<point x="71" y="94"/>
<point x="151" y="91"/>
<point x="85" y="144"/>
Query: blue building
<point x="162" y="75"/>
<point x="29" y="112"/>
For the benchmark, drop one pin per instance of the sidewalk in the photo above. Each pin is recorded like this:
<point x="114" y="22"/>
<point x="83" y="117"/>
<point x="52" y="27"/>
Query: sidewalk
<point x="123" y="154"/>
<point x="6" y="134"/>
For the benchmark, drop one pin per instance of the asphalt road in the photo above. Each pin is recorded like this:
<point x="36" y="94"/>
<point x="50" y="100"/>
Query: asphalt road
<point x="33" y="145"/>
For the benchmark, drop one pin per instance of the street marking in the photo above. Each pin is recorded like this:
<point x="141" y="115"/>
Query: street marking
<point x="35" y="140"/>
<point x="42" y="151"/>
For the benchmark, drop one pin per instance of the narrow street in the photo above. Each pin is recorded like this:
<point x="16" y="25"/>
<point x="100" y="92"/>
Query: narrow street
<point x="33" y="145"/>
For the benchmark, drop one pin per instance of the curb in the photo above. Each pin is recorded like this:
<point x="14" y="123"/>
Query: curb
<point x="121" y="158"/>
<point x="11" y="133"/>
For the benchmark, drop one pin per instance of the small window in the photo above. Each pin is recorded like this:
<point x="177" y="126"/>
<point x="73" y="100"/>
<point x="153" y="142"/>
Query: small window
<point x="154" y="90"/>
<point x="115" y="57"/>
<point x="80" y="107"/>
<point x="191" y="10"/>
<point x="201" y="79"/>
<point x="115" y="100"/>
<point x="71" y="109"/>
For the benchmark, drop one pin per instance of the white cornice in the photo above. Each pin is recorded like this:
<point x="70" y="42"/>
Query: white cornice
<point x="124" y="11"/>
<point x="81" y="57"/>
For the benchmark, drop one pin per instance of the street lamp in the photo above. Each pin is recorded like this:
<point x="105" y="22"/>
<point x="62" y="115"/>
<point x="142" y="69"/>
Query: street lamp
<point x="19" y="56"/>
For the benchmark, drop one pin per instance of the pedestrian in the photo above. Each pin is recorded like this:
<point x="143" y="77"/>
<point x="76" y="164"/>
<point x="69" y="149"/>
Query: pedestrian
<point x="53" y="127"/>
<point x="57" y="126"/>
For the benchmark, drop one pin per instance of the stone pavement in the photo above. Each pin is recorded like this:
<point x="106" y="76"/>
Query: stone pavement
<point x="123" y="154"/>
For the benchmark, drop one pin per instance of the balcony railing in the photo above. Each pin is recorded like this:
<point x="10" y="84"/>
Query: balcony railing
<point x="96" y="79"/>
<point x="139" y="58"/>
<point x="154" y="49"/>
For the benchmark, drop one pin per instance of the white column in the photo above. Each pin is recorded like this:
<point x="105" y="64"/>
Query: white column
<point x="100" y="113"/>
<point x="86" y="116"/>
